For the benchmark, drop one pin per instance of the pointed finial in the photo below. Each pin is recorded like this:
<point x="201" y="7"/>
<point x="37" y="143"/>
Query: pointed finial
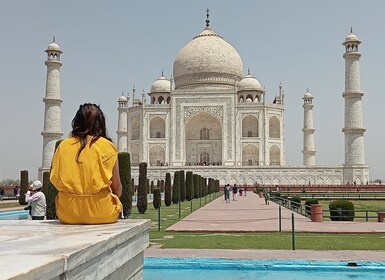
<point x="351" y="29"/>
<point x="248" y="70"/>
<point x="53" y="38"/>
<point x="207" y="18"/>
<point x="162" y="72"/>
<point x="307" y="90"/>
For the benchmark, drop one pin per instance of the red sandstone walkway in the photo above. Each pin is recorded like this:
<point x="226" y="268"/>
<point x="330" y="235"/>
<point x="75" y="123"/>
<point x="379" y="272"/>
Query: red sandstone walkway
<point x="250" y="214"/>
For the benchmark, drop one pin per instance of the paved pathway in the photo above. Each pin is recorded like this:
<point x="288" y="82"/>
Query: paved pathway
<point x="250" y="214"/>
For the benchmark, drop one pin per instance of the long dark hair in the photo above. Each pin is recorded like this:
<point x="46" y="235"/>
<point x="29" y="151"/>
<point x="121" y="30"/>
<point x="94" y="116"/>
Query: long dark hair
<point x="89" y="120"/>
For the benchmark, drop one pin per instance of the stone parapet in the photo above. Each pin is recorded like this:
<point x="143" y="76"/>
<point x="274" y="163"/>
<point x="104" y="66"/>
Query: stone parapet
<point x="50" y="250"/>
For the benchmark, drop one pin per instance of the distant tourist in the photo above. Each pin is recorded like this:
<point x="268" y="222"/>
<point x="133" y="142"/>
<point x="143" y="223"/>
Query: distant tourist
<point x="37" y="201"/>
<point x="227" y="193"/>
<point x="1" y="193"/>
<point x="235" y="192"/>
<point x="85" y="171"/>
<point x="266" y="195"/>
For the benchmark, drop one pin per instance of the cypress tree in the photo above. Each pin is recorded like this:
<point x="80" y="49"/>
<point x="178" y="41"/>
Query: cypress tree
<point x="125" y="179"/>
<point x="167" y="192"/>
<point x="148" y="186"/>
<point x="158" y="184"/>
<point x="189" y="186"/>
<point x="182" y="180"/>
<point x="24" y="185"/>
<point x="209" y="186"/>
<point x="162" y="185"/>
<point x="152" y="187"/>
<point x="157" y="198"/>
<point x="142" y="188"/>
<point x="176" y="188"/>
<point x="204" y="187"/>
<point x="50" y="194"/>
<point x="196" y="185"/>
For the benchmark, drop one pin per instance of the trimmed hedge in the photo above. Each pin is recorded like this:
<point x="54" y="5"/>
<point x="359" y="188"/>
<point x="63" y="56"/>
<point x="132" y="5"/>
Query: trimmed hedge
<point x="182" y="180"/>
<point x="309" y="202"/>
<point x="196" y="185"/>
<point x="297" y="201"/>
<point x="341" y="210"/>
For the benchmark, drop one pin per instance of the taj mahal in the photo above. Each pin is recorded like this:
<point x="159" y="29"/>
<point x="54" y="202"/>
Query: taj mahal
<point x="214" y="119"/>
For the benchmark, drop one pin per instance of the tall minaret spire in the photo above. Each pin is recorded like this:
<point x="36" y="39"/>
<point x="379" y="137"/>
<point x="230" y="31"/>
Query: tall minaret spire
<point x="122" y="123"/>
<point x="353" y="124"/>
<point x="52" y="114"/>
<point x="308" y="130"/>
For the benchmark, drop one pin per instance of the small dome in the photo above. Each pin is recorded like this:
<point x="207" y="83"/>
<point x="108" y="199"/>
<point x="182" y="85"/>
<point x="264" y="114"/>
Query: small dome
<point x="249" y="83"/>
<point x="122" y="99"/>
<point x="307" y="95"/>
<point x="54" y="47"/>
<point x="161" y="85"/>
<point x="351" y="38"/>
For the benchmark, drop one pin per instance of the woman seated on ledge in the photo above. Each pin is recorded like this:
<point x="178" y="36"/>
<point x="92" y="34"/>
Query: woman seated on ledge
<point x="85" y="171"/>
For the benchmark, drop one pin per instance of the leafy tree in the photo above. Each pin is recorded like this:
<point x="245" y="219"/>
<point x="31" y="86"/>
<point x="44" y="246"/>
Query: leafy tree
<point x="142" y="188"/>
<point x="125" y="179"/>
<point x="167" y="192"/>
<point x="176" y="188"/>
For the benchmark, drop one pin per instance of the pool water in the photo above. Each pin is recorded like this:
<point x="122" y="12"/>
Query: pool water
<point x="14" y="215"/>
<point x="224" y="269"/>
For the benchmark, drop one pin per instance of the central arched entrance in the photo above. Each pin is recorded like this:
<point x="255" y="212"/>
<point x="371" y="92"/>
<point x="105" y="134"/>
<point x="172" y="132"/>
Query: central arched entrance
<point x="203" y="140"/>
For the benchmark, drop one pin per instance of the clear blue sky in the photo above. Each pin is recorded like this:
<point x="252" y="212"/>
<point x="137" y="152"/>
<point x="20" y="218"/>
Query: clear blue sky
<point x="109" y="46"/>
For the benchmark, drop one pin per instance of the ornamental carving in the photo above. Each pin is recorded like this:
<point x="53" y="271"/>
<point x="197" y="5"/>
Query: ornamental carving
<point x="191" y="111"/>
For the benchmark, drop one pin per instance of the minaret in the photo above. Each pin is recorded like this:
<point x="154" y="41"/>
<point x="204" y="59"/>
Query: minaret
<point x="308" y="130"/>
<point x="52" y="113"/>
<point x="122" y="124"/>
<point x="354" y="128"/>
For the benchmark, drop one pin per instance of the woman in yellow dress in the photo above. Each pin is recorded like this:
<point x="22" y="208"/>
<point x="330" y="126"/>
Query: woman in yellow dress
<point x="85" y="171"/>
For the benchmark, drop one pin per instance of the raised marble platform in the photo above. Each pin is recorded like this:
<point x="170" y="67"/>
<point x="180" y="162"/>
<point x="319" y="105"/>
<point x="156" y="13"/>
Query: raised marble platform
<point x="50" y="250"/>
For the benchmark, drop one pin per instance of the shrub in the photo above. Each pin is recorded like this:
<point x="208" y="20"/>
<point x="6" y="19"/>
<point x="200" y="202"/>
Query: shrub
<point x="125" y="179"/>
<point x="295" y="202"/>
<point x="142" y="188"/>
<point x="309" y="202"/>
<point x="167" y="191"/>
<point x="189" y="186"/>
<point x="157" y="198"/>
<point x="176" y="188"/>
<point x="341" y="210"/>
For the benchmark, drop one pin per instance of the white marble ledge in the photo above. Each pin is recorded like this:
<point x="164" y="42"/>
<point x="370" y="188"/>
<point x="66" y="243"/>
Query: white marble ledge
<point x="31" y="249"/>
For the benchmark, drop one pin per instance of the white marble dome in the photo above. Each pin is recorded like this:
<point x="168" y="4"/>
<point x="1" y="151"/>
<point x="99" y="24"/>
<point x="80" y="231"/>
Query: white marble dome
<point x="161" y="85"/>
<point x="249" y="83"/>
<point x="207" y="60"/>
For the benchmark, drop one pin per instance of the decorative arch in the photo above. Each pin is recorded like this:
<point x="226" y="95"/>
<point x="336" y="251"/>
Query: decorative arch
<point x="203" y="132"/>
<point x="160" y="100"/>
<point x="250" y="155"/>
<point x="275" y="155"/>
<point x="250" y="126"/>
<point x="274" y="127"/>
<point x="204" y="158"/>
<point x="157" y="156"/>
<point x="135" y="155"/>
<point x="135" y="128"/>
<point x="157" y="128"/>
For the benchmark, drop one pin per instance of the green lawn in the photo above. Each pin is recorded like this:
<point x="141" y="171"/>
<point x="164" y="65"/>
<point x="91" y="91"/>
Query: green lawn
<point x="9" y="205"/>
<point x="275" y="240"/>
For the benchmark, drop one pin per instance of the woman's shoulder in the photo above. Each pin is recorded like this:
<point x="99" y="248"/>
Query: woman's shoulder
<point x="105" y="143"/>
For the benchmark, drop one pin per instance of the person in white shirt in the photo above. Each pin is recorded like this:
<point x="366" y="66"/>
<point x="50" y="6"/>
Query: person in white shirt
<point x="37" y="201"/>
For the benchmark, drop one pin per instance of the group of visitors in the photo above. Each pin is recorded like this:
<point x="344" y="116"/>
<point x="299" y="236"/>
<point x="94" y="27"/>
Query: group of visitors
<point x="228" y="190"/>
